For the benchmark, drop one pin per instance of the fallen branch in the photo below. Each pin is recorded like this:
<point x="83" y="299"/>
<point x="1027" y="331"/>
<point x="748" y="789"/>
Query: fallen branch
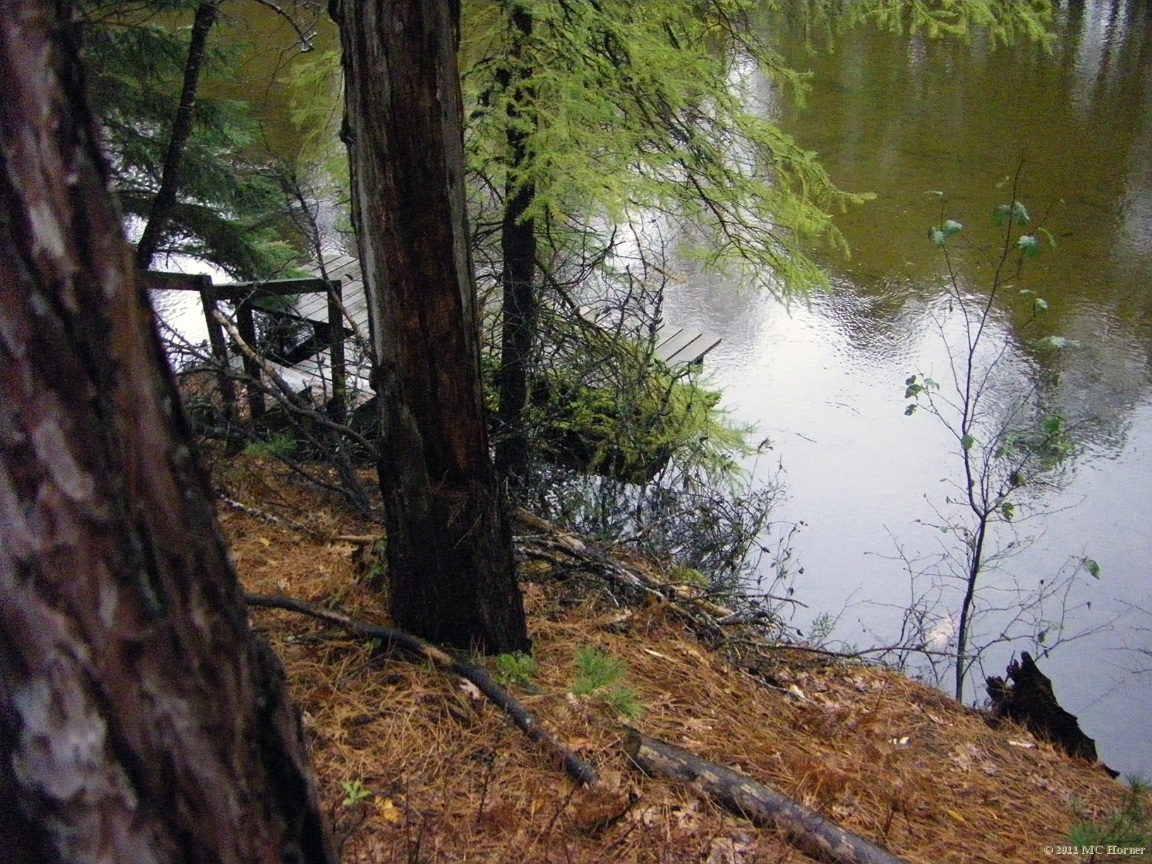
<point x="271" y="518"/>
<point x="576" y="768"/>
<point x="553" y="540"/>
<point x="806" y="829"/>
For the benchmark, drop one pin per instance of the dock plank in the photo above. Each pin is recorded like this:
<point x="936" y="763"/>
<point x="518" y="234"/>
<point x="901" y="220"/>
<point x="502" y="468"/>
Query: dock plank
<point x="675" y="345"/>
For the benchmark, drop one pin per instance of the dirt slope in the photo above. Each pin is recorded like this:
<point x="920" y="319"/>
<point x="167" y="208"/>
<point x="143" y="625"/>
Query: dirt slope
<point x="415" y="767"/>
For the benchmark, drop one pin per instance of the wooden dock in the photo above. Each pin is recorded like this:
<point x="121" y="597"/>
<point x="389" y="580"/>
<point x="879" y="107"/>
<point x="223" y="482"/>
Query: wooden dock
<point x="340" y="368"/>
<point x="675" y="346"/>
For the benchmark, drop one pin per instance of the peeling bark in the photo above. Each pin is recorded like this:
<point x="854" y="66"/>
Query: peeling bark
<point x="138" y="719"/>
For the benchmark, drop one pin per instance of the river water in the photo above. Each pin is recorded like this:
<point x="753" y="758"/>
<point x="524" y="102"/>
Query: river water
<point x="824" y="378"/>
<point x="903" y="116"/>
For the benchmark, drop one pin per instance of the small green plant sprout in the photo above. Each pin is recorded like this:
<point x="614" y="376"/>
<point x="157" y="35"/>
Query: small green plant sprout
<point x="374" y="563"/>
<point x="821" y="629"/>
<point x="599" y="675"/>
<point x="1128" y="829"/>
<point x="354" y="793"/>
<point x="515" y="668"/>
<point x="276" y="447"/>
<point x="690" y="576"/>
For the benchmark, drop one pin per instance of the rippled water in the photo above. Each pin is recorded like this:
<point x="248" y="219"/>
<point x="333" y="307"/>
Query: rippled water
<point x="901" y="116"/>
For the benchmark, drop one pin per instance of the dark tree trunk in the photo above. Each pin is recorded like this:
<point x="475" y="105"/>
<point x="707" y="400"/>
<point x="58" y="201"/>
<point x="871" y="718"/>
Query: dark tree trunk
<point x="139" y="721"/>
<point x="451" y="568"/>
<point x="518" y="249"/>
<point x="165" y="199"/>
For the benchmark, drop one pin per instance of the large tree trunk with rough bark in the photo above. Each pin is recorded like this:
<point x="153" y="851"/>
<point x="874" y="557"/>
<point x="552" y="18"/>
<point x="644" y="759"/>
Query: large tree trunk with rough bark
<point x="139" y="721"/>
<point x="451" y="568"/>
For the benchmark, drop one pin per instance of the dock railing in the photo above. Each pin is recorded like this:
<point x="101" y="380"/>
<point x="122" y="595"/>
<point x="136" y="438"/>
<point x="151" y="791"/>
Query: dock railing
<point x="246" y="297"/>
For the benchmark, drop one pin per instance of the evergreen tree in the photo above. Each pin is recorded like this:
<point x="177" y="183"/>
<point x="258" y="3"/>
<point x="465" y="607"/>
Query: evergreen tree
<point x="451" y="568"/>
<point x="140" y="720"/>
<point x="586" y="111"/>
<point x="186" y="165"/>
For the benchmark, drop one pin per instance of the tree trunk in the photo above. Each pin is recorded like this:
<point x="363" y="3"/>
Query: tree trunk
<point x="518" y="249"/>
<point x="165" y="198"/>
<point x="451" y="568"/>
<point x="139" y="721"/>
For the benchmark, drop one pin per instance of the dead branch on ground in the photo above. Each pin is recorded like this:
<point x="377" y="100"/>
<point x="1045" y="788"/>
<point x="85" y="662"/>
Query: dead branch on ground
<point x="576" y="768"/>
<point x="806" y="829"/>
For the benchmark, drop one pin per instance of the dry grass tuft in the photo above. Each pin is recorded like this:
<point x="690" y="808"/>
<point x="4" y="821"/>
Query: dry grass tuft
<point x="416" y="768"/>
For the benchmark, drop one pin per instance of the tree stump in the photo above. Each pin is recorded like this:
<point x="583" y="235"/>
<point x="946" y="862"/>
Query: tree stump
<point x="1027" y="698"/>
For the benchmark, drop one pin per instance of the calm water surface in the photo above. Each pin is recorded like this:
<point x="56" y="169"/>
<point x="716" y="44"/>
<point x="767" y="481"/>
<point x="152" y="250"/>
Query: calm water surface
<point x="902" y="116"/>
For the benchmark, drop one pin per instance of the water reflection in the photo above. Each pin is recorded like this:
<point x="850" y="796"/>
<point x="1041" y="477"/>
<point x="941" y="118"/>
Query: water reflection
<point x="902" y="117"/>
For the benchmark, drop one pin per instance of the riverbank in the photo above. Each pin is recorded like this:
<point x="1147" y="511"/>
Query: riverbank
<point x="414" y="766"/>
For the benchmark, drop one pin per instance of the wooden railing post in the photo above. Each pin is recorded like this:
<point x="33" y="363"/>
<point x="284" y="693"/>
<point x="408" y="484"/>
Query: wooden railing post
<point x="247" y="329"/>
<point x="336" y="351"/>
<point x="219" y="347"/>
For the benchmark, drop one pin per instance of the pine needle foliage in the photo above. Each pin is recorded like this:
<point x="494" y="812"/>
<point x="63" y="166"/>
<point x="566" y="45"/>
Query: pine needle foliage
<point x="231" y="210"/>
<point x="661" y="106"/>
<point x="638" y="108"/>
<point x="1004" y="22"/>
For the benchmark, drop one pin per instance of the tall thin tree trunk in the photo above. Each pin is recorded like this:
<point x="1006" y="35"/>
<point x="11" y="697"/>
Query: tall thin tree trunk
<point x="165" y="200"/>
<point x="139" y="720"/>
<point x="518" y="249"/>
<point x="451" y="569"/>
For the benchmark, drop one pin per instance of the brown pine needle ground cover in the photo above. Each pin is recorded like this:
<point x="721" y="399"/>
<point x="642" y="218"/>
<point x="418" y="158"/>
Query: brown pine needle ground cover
<point x="416" y="767"/>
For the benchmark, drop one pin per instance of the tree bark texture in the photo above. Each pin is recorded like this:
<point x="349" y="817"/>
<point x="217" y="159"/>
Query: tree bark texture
<point x="806" y="829"/>
<point x="139" y="720"/>
<point x="518" y="251"/>
<point x="165" y="200"/>
<point x="451" y="567"/>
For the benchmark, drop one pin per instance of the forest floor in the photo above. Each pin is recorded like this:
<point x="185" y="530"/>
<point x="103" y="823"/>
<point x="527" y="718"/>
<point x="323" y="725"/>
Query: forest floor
<point x="415" y="766"/>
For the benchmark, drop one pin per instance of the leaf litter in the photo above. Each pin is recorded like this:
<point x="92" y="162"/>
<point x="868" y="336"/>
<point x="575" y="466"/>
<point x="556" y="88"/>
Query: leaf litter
<point x="448" y="779"/>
